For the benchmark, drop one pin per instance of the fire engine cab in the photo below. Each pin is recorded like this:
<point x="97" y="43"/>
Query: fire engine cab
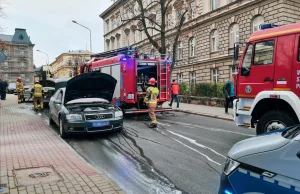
<point x="132" y="73"/>
<point x="267" y="84"/>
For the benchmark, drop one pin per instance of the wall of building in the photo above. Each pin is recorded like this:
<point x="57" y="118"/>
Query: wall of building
<point x="206" y="63"/>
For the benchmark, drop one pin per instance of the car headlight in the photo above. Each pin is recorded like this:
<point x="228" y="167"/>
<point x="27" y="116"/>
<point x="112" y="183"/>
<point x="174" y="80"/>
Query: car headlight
<point x="230" y="165"/>
<point x="74" y="117"/>
<point x="118" y="114"/>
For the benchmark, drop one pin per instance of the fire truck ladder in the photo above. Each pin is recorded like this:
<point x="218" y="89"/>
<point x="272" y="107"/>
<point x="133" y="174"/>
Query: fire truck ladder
<point x="112" y="53"/>
<point x="163" y="79"/>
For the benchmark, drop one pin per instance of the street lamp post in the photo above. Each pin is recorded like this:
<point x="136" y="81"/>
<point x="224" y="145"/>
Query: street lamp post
<point x="88" y="29"/>
<point x="47" y="62"/>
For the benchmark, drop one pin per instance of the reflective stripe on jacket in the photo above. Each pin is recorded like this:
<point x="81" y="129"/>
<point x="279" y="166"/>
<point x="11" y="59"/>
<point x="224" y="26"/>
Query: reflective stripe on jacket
<point x="175" y="88"/>
<point x="151" y="95"/>
<point x="37" y="90"/>
<point x="19" y="87"/>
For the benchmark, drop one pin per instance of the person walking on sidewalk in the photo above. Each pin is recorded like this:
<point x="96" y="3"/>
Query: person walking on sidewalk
<point x="174" y="92"/>
<point x="3" y="92"/>
<point x="20" y="90"/>
<point x="229" y="95"/>
<point x="37" y="91"/>
<point x="151" y="101"/>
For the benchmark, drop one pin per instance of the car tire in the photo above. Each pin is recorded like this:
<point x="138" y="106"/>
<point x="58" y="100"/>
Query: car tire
<point x="62" y="132"/>
<point x="279" y="120"/>
<point x="51" y="121"/>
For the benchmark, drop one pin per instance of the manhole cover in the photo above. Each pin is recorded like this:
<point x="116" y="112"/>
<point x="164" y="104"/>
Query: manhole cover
<point x="34" y="176"/>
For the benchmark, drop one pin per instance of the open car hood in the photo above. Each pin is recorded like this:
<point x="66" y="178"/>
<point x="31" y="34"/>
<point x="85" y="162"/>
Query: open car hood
<point x="90" y="85"/>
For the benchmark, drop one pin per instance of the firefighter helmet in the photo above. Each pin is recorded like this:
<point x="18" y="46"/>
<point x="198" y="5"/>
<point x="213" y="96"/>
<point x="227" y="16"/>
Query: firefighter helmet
<point x="152" y="81"/>
<point x="19" y="78"/>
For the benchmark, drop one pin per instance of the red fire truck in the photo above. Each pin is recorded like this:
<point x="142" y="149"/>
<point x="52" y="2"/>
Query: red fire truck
<point x="132" y="73"/>
<point x="268" y="80"/>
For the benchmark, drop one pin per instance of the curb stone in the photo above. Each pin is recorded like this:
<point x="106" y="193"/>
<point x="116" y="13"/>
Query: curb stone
<point x="204" y="114"/>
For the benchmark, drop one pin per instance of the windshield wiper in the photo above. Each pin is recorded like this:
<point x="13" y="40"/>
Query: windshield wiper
<point x="289" y="134"/>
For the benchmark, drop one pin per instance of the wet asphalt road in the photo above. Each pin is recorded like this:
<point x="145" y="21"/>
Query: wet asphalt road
<point x="184" y="155"/>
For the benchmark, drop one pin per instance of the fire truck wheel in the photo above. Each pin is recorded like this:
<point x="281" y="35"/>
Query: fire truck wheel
<point x="274" y="120"/>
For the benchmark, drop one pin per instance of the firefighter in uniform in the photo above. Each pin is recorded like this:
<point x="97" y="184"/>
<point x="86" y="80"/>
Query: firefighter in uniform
<point x="151" y="101"/>
<point x="37" y="91"/>
<point x="20" y="90"/>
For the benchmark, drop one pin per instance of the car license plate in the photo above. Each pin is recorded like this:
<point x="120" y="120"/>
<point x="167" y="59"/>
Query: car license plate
<point x="100" y="124"/>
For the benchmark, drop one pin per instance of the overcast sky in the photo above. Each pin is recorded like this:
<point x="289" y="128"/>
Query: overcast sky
<point x="49" y="24"/>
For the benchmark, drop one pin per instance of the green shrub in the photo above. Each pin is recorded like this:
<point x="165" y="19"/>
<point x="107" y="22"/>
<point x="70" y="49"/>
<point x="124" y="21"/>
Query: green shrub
<point x="202" y="89"/>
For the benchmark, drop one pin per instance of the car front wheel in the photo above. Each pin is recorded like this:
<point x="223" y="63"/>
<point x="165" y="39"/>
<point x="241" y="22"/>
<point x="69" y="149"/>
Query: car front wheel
<point x="62" y="132"/>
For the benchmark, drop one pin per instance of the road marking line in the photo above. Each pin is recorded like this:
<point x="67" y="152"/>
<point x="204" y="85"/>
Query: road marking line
<point x="163" y="124"/>
<point x="208" y="158"/>
<point x="192" y="141"/>
<point x="211" y="129"/>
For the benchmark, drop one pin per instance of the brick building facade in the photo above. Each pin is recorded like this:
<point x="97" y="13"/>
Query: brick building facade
<point x="205" y="48"/>
<point x="19" y="62"/>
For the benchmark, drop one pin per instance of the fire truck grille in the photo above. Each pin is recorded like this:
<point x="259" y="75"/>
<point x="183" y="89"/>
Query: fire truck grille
<point x="98" y="117"/>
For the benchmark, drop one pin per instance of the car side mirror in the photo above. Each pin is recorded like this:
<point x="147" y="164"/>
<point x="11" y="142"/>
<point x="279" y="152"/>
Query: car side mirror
<point x="57" y="102"/>
<point x="236" y="51"/>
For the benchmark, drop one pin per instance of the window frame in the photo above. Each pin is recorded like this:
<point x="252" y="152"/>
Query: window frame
<point x="193" y="77"/>
<point x="215" y="75"/>
<point x="254" y="52"/>
<point x="231" y="68"/>
<point x="236" y="32"/>
<point x="180" y="77"/>
<point x="192" y="6"/>
<point x="192" y="46"/>
<point x="214" y="4"/>
<point x="179" y="50"/>
<point x="214" y="38"/>
<point x="255" y="24"/>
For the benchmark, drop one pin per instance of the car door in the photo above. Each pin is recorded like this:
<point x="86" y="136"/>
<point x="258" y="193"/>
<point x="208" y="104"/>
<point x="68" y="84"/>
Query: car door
<point x="257" y="71"/>
<point x="55" y="108"/>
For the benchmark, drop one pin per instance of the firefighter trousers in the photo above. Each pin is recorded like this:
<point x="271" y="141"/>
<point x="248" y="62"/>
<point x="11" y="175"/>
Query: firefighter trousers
<point x="20" y="97"/>
<point x="151" y="110"/>
<point x="38" y="101"/>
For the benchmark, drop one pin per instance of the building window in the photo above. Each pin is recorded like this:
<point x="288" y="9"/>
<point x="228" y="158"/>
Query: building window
<point x="22" y="76"/>
<point x="234" y="35"/>
<point x="107" y="45"/>
<point x="233" y="70"/>
<point x="134" y="36"/>
<point x="264" y="52"/>
<point x="22" y="50"/>
<point x="107" y="26"/>
<point x="192" y="47"/>
<point x="128" y="39"/>
<point x="214" y="41"/>
<point x="192" y="77"/>
<point x="169" y="52"/>
<point x="214" y="75"/>
<point x="257" y="22"/>
<point x="180" y="77"/>
<point x="141" y="36"/>
<point x="5" y="64"/>
<point x="180" y="50"/>
<point x="179" y="15"/>
<point x="169" y="20"/>
<point x="6" y="76"/>
<point x="113" y="44"/>
<point x="192" y="5"/>
<point x="214" y="4"/>
<point x="22" y="65"/>
<point x="152" y="52"/>
<point x="118" y="42"/>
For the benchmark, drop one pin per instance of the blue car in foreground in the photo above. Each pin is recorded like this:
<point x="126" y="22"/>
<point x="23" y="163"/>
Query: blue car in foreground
<point x="268" y="164"/>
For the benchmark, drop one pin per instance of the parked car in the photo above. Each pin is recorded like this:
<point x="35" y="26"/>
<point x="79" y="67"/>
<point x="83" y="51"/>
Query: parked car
<point x="83" y="105"/>
<point x="27" y="92"/>
<point x="11" y="88"/>
<point x="264" y="164"/>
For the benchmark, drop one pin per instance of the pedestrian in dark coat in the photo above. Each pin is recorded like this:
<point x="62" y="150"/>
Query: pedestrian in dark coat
<point x="4" y="87"/>
<point x="229" y="95"/>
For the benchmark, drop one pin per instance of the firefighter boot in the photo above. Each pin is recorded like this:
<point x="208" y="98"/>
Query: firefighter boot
<point x="152" y="126"/>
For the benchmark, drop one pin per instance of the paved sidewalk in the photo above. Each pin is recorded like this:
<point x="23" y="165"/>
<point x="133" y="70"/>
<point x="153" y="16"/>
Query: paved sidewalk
<point x="208" y="111"/>
<point x="34" y="159"/>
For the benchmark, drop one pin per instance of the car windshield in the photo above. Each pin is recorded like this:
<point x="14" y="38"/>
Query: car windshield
<point x="12" y="85"/>
<point x="292" y="132"/>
